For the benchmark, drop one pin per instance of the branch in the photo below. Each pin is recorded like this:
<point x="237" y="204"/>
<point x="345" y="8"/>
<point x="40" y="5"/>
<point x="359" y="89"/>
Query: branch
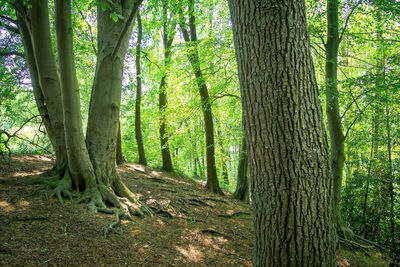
<point x="347" y="20"/>
<point x="356" y="118"/>
<point x="89" y="26"/>
<point x="223" y="95"/>
<point x="8" y="18"/>
<point x="11" y="53"/>
<point x="10" y="28"/>
<point x="126" y="27"/>
<point x="147" y="57"/>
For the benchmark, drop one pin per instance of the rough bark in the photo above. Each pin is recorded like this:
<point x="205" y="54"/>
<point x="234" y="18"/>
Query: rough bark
<point x="291" y="182"/>
<point x="332" y="105"/>
<point x="190" y="37"/>
<point x="138" y="128"/>
<point x="242" y="182"/>
<point x="39" y="28"/>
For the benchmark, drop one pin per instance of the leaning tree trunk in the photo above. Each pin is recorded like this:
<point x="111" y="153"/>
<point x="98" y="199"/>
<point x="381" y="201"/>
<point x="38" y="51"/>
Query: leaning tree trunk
<point x="105" y="101"/>
<point x="138" y="128"/>
<point x="291" y="182"/>
<point x="34" y="76"/>
<point x="242" y="181"/>
<point x="190" y="38"/>
<point x="332" y="107"/>
<point x="49" y="80"/>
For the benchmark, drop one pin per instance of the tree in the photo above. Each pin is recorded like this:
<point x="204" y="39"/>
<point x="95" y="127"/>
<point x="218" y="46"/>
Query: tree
<point x="242" y="181"/>
<point x="190" y="37"/>
<point x="35" y="28"/>
<point x="168" y="34"/>
<point x="291" y="183"/>
<point x="138" y="128"/>
<point x="90" y="165"/>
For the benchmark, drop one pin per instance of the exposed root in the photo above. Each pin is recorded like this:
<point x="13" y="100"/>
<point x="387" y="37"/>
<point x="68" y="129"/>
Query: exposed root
<point x="98" y="196"/>
<point x="63" y="188"/>
<point x="44" y="180"/>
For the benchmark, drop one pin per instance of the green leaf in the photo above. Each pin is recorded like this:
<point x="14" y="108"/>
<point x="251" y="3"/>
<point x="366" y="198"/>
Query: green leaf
<point x="114" y="17"/>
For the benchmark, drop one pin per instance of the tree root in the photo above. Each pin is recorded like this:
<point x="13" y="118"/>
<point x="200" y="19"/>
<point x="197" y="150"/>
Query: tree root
<point x="354" y="242"/>
<point x="63" y="188"/>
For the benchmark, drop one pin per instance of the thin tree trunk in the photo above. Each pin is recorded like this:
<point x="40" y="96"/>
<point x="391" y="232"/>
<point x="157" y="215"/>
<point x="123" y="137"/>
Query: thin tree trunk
<point x="224" y="161"/>
<point x="138" y="130"/>
<point x="242" y="182"/>
<point x="291" y="182"/>
<point x="168" y="38"/>
<point x="332" y="106"/>
<point x="193" y="56"/>
<point x="119" y="156"/>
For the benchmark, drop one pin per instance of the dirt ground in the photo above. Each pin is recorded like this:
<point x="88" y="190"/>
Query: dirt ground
<point x="190" y="227"/>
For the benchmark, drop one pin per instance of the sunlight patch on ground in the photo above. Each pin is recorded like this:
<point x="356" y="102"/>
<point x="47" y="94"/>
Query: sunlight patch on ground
<point x="5" y="206"/>
<point x="23" y="203"/>
<point x="192" y="253"/>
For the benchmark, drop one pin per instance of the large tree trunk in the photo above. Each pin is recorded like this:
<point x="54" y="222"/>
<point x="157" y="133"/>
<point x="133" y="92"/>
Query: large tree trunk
<point x="80" y="167"/>
<point x="49" y="81"/>
<point x="138" y="128"/>
<point x="291" y="182"/>
<point x="190" y="38"/>
<point x="103" y="118"/>
<point x="332" y="106"/>
<point x="242" y="181"/>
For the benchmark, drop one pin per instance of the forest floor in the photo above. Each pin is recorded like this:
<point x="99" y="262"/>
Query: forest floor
<point x="190" y="227"/>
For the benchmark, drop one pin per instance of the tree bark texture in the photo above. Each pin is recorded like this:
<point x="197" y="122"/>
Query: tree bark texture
<point x="332" y="106"/>
<point x="190" y="37"/>
<point x="242" y="182"/>
<point x="291" y="182"/>
<point x="138" y="128"/>
<point x="49" y="80"/>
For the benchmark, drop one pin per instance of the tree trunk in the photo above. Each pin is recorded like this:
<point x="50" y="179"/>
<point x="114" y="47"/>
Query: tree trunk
<point x="103" y="120"/>
<point x="33" y="71"/>
<point x="168" y="38"/>
<point x="138" y="129"/>
<point x="242" y="182"/>
<point x="80" y="167"/>
<point x="291" y="182"/>
<point x="332" y="106"/>
<point x="49" y="80"/>
<point x="223" y="157"/>
<point x="193" y="56"/>
<point x="119" y="156"/>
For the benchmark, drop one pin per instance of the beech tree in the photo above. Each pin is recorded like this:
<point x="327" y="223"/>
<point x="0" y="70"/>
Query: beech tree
<point x="190" y="37"/>
<point x="291" y="183"/>
<point x="90" y="164"/>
